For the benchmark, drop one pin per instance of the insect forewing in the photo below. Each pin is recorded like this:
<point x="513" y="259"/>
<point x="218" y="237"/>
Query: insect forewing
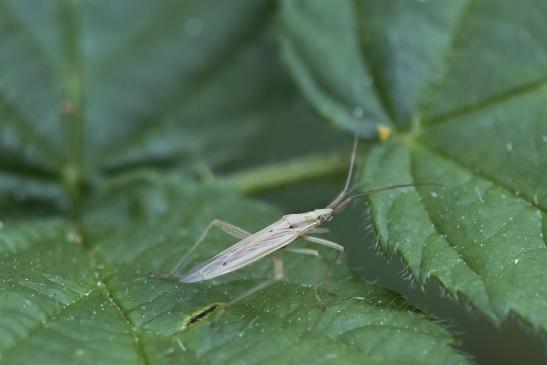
<point x="245" y="252"/>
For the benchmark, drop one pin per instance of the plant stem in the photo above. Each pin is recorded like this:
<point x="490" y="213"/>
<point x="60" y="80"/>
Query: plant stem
<point x="285" y="173"/>
<point x="72" y="105"/>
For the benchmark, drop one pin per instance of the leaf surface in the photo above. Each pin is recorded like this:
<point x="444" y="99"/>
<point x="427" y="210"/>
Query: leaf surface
<point x="83" y="295"/>
<point x="462" y="85"/>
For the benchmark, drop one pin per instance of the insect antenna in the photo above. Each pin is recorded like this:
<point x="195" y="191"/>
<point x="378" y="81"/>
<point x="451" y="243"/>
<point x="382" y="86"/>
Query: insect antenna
<point x="343" y="194"/>
<point x="342" y="203"/>
<point x="343" y="199"/>
<point x="391" y="187"/>
<point x="351" y="163"/>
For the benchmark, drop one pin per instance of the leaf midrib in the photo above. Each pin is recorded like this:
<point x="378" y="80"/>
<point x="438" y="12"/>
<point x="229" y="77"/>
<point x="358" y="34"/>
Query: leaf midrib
<point x="140" y="351"/>
<point x="97" y="263"/>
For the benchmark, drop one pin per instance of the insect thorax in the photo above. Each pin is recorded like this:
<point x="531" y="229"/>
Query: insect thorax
<point x="303" y="220"/>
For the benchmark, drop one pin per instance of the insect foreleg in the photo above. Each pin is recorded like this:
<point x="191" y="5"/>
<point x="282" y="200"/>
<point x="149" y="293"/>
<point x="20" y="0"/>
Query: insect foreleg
<point x="325" y="242"/>
<point x="226" y="227"/>
<point x="320" y="230"/>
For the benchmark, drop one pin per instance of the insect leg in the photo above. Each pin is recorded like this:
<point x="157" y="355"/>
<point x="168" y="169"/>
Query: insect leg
<point x="329" y="244"/>
<point x="278" y="274"/>
<point x="325" y="242"/>
<point x="226" y="227"/>
<point x="304" y="251"/>
<point x="308" y="251"/>
<point x="320" y="230"/>
<point x="231" y="229"/>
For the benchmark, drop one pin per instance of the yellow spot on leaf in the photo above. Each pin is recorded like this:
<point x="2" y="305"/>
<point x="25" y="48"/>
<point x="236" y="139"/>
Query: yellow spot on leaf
<point x="384" y="132"/>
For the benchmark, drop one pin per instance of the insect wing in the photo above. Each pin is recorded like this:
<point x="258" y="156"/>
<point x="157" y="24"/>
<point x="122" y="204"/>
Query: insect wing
<point x="243" y="253"/>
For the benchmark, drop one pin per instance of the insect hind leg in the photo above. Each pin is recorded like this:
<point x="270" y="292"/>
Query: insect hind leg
<point x="231" y="229"/>
<point x="278" y="274"/>
<point x="325" y="280"/>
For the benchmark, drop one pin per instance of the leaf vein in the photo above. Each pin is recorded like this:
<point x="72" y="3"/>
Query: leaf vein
<point x="480" y="174"/>
<point x="445" y="58"/>
<point x="24" y="128"/>
<point x="379" y="89"/>
<point x="444" y="235"/>
<point x="202" y="76"/>
<point x="43" y="325"/>
<point x="544" y="228"/>
<point x="487" y="102"/>
<point x="32" y="41"/>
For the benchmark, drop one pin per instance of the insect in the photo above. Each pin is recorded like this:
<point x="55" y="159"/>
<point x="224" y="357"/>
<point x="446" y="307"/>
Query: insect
<point x="278" y="236"/>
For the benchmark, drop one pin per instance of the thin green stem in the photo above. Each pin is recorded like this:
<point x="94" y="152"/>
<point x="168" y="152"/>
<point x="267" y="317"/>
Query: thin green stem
<point x="285" y="173"/>
<point x="73" y="99"/>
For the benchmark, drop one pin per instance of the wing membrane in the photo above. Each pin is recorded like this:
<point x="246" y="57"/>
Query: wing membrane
<point x="244" y="253"/>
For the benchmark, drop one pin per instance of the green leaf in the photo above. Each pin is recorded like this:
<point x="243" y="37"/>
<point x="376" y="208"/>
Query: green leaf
<point x="200" y="49"/>
<point x="467" y="114"/>
<point x="140" y="95"/>
<point x="105" y="107"/>
<point x="83" y="294"/>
